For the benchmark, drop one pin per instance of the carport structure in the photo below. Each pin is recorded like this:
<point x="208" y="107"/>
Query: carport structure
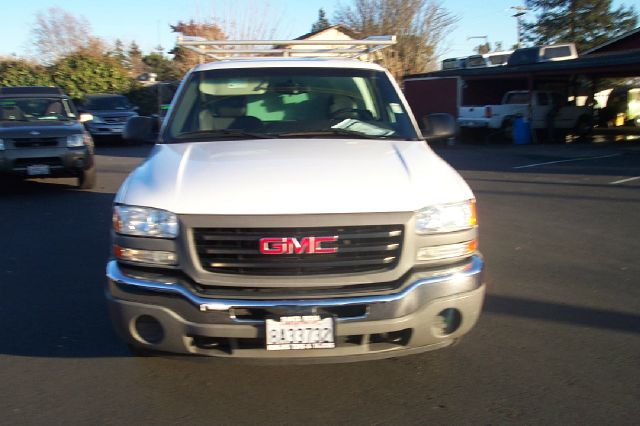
<point x="579" y="79"/>
<point x="487" y="85"/>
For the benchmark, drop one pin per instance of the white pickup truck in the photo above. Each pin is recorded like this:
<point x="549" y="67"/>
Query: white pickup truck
<point x="534" y="106"/>
<point x="292" y="211"/>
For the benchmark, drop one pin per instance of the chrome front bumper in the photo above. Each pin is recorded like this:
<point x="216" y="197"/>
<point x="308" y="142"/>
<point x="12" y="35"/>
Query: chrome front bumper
<point x="414" y="310"/>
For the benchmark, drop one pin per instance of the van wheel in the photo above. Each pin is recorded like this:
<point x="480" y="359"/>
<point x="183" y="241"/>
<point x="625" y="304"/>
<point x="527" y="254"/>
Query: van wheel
<point x="87" y="178"/>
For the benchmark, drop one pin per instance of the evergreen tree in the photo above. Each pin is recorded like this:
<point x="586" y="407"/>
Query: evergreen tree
<point x="18" y="72"/>
<point x="79" y="74"/>
<point x="166" y="69"/>
<point x="587" y="23"/>
<point x="321" y="23"/>
<point x="136" y="65"/>
<point x="118" y="53"/>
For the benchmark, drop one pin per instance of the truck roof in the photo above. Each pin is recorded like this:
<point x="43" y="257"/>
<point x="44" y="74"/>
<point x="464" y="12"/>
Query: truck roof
<point x="32" y="91"/>
<point x="289" y="62"/>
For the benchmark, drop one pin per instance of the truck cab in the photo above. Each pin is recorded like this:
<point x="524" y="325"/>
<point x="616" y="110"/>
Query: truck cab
<point x="291" y="211"/>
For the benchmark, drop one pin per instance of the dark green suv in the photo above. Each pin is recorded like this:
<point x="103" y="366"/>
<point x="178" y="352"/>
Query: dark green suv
<point x="41" y="136"/>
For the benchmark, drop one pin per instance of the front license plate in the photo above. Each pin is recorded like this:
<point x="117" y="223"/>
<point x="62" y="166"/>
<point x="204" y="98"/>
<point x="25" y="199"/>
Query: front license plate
<point x="117" y="129"/>
<point x="300" y="332"/>
<point x="38" y="169"/>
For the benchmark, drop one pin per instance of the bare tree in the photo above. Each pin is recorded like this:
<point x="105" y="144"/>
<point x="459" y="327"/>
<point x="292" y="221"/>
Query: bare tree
<point x="57" y="33"/>
<point x="246" y="19"/>
<point x="420" y="26"/>
<point x="226" y="19"/>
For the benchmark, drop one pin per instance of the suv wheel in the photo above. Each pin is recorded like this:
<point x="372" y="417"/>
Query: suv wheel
<point x="87" y="178"/>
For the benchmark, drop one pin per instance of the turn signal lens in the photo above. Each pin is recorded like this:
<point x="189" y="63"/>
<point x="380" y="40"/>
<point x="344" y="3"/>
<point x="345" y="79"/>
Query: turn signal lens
<point x="167" y="258"/>
<point x="448" y="251"/>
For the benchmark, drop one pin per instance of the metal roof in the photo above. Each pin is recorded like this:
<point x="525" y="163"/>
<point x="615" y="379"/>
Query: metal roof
<point x="612" y="41"/>
<point x="625" y="63"/>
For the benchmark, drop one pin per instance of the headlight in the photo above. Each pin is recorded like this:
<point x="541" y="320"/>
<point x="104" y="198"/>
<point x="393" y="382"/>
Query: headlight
<point x="446" y="218"/>
<point x="74" y="141"/>
<point x="97" y="120"/>
<point x="1" y="145"/>
<point x="144" y="222"/>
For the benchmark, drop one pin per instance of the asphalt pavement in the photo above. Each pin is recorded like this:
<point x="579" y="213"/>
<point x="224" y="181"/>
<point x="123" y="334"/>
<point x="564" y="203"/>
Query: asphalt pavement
<point x="558" y="341"/>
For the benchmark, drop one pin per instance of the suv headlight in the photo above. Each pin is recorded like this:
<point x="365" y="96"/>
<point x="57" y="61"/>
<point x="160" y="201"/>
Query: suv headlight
<point x="144" y="222"/>
<point x="446" y="218"/>
<point x="97" y="120"/>
<point x="75" y="141"/>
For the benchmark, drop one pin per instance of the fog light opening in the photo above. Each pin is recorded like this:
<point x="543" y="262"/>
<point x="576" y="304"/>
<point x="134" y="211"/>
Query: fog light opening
<point x="148" y="329"/>
<point x="447" y="322"/>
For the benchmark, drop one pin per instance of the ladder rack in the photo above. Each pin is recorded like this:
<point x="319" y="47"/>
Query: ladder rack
<point x="246" y="49"/>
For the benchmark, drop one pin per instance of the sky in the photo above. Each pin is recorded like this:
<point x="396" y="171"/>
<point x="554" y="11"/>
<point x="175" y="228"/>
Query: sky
<point x="147" y="21"/>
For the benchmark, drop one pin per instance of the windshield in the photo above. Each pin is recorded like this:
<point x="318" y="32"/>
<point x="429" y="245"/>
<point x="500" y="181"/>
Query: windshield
<point x="107" y="103"/>
<point x="289" y="102"/>
<point x="35" y="109"/>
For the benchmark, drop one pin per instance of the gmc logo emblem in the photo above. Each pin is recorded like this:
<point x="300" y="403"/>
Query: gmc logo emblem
<point x="291" y="245"/>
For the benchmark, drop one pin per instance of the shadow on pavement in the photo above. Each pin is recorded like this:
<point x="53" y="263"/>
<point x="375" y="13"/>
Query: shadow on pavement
<point x="557" y="312"/>
<point x="55" y="246"/>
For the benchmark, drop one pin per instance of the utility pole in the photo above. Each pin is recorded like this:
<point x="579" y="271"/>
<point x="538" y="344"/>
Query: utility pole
<point x="486" y="40"/>
<point x="520" y="10"/>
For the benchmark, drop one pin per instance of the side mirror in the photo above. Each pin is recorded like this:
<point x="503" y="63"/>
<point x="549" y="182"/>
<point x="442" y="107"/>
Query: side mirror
<point x="438" y="126"/>
<point x="138" y="129"/>
<point x="85" y="116"/>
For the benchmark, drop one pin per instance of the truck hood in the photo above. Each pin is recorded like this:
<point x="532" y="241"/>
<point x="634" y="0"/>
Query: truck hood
<point x="292" y="176"/>
<point x="46" y="129"/>
<point x="104" y="113"/>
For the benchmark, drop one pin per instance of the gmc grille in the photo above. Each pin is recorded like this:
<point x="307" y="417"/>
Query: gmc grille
<point x="360" y="249"/>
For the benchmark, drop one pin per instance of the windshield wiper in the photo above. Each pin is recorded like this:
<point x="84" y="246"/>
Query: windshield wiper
<point x="224" y="133"/>
<point x="329" y="132"/>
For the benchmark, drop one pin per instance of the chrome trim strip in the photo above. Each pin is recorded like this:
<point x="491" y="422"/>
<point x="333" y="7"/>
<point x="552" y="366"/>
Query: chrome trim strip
<point x="114" y="273"/>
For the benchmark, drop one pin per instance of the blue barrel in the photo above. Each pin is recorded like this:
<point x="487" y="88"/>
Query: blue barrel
<point x="521" y="131"/>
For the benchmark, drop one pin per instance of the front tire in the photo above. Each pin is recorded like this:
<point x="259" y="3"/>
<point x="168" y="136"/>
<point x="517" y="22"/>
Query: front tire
<point x="582" y="128"/>
<point x="87" y="178"/>
<point x="507" y="129"/>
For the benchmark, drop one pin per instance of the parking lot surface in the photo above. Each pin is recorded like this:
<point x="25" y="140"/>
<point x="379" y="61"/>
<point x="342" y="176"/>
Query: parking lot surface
<point x="558" y="341"/>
